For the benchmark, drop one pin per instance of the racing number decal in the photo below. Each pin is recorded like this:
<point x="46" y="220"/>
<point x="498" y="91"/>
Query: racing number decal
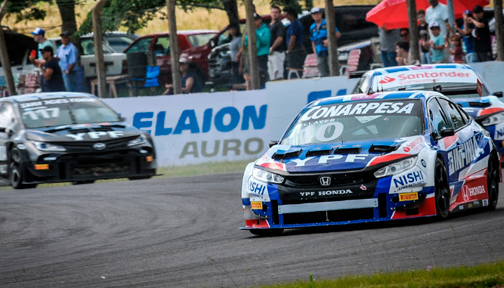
<point x="45" y="113"/>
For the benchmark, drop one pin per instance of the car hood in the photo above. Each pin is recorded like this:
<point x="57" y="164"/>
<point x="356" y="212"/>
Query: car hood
<point x="83" y="133"/>
<point x="339" y="157"/>
<point x="480" y="106"/>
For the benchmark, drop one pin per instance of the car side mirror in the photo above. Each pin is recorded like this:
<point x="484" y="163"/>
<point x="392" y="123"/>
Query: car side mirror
<point x="272" y="143"/>
<point x="498" y="94"/>
<point x="447" y="132"/>
<point x="212" y="43"/>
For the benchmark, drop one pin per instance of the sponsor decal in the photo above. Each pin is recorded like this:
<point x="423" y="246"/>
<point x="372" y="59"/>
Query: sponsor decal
<point x="362" y="187"/>
<point x="463" y="155"/>
<point x="414" y="145"/>
<point x="256" y="205"/>
<point x="359" y="109"/>
<point x="461" y="207"/>
<point x="423" y="163"/>
<point x="325" y="180"/>
<point x="387" y="79"/>
<point x="55" y="101"/>
<point x="408" y="196"/>
<point x="417" y="77"/>
<point x="96" y="135"/>
<point x="350" y="158"/>
<point x="326" y="193"/>
<point x="485" y="202"/>
<point x="408" y="180"/>
<point x="256" y="188"/>
<point x="465" y="193"/>
<point x="478" y="190"/>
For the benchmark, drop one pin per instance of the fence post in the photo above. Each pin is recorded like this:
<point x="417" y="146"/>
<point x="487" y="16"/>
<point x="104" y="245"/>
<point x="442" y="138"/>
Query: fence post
<point x="101" y="73"/>
<point x="252" y="48"/>
<point x="4" y="55"/>
<point x="333" y="44"/>
<point x="174" y="48"/>
<point x="413" y="31"/>
<point x="499" y="30"/>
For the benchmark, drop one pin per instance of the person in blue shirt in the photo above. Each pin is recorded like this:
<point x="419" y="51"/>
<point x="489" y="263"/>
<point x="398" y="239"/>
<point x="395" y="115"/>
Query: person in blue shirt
<point x="67" y="56"/>
<point x="318" y="32"/>
<point x="466" y="32"/>
<point x="296" y="52"/>
<point x="190" y="83"/>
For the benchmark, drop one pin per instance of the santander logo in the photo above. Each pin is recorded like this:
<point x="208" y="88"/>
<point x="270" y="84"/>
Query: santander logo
<point x="386" y="80"/>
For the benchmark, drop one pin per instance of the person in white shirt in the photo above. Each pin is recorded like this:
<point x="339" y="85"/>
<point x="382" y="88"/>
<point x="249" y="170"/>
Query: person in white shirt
<point x="438" y="13"/>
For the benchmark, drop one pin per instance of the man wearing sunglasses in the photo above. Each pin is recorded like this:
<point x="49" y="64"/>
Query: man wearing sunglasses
<point x="67" y="55"/>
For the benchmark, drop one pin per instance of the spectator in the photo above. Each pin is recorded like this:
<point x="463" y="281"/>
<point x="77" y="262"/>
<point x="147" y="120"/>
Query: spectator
<point x="52" y="80"/>
<point x="388" y="38"/>
<point x="437" y="44"/>
<point x="319" y="41"/>
<point x="234" y="46"/>
<point x="67" y="55"/>
<point x="466" y="32"/>
<point x="190" y="83"/>
<point x="423" y="31"/>
<point x="39" y="37"/>
<point x="296" y="52"/>
<point x="263" y="44"/>
<point x="276" y="57"/>
<point x="481" y="40"/>
<point x="457" y="52"/>
<point x="437" y="13"/>
<point x="402" y="51"/>
<point x="404" y="32"/>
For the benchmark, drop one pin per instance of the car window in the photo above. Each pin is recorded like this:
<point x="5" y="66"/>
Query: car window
<point x="87" y="45"/>
<point x="363" y="85"/>
<point x="200" y="39"/>
<point x="223" y="38"/>
<point x="437" y="117"/>
<point x="464" y="114"/>
<point x="7" y="116"/>
<point x="453" y="114"/>
<point x="118" y="43"/>
<point x="162" y="46"/>
<point x="141" y="45"/>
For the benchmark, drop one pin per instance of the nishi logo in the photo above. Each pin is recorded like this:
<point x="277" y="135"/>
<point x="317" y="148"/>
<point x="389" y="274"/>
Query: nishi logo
<point x="386" y="80"/>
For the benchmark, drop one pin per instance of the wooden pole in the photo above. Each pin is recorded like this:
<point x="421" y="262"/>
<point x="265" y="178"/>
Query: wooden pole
<point x="333" y="44"/>
<point x="101" y="73"/>
<point x="252" y="46"/>
<point x="499" y="31"/>
<point x="4" y="56"/>
<point x="174" y="48"/>
<point x="414" y="51"/>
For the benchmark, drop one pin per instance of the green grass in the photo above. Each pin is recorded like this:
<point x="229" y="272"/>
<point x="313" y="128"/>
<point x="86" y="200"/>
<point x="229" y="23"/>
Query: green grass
<point x="479" y="276"/>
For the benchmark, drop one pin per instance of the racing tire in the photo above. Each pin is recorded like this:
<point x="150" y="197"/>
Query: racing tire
<point x="139" y="178"/>
<point x="83" y="182"/>
<point x="493" y="179"/>
<point x="16" y="177"/>
<point x="442" y="190"/>
<point x="266" y="232"/>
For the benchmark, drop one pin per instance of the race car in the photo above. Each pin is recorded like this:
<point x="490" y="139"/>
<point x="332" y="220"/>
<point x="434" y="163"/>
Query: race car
<point x="69" y="137"/>
<point x="368" y="158"/>
<point x="457" y="81"/>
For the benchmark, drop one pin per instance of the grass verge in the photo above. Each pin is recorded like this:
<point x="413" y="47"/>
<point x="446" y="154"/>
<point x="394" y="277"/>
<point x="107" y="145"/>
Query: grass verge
<point x="176" y="171"/>
<point x="479" y="276"/>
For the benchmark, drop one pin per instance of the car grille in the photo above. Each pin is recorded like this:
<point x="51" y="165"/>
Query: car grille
<point x="337" y="179"/>
<point x="87" y="147"/>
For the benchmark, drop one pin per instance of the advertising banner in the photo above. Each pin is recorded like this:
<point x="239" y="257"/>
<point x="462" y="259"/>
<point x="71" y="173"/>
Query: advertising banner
<point x="287" y="98"/>
<point x="204" y="127"/>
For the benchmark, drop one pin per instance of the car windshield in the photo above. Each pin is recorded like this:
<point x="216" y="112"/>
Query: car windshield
<point x="88" y="46"/>
<point x="357" y="121"/>
<point x="65" y="111"/>
<point x="200" y="39"/>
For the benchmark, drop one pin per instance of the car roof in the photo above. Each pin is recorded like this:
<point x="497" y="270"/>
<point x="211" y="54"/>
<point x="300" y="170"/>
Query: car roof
<point x="46" y="96"/>
<point x="183" y="32"/>
<point x="425" y="67"/>
<point x="395" y="95"/>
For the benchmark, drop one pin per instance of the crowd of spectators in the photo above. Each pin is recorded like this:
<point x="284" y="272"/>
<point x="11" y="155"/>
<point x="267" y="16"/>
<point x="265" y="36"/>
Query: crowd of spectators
<point x="469" y="42"/>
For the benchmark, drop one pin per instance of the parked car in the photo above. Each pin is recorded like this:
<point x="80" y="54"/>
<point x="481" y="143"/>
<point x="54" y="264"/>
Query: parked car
<point x="116" y="40"/>
<point x="193" y="44"/>
<point x="115" y="62"/>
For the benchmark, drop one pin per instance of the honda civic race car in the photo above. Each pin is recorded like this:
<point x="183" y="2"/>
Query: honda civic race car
<point x="367" y="158"/>
<point x="457" y="81"/>
<point x="69" y="137"/>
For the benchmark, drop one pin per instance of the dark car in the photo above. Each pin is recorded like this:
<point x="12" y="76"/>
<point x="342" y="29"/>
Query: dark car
<point x="69" y="137"/>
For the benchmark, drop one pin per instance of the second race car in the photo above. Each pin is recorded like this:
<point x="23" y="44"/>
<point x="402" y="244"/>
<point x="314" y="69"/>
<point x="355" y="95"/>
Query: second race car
<point x="366" y="158"/>
<point x="69" y="137"/>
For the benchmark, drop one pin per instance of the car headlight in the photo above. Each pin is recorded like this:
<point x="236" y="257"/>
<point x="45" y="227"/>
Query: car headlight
<point x="494" y="119"/>
<point x="138" y="141"/>
<point x="396" y="168"/>
<point x="267" y="176"/>
<point x="48" y="147"/>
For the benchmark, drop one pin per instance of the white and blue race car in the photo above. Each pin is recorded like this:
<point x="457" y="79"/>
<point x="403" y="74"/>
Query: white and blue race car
<point x="457" y="81"/>
<point x="372" y="157"/>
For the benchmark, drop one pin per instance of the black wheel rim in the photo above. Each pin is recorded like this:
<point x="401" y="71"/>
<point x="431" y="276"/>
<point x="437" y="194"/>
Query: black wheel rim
<point x="493" y="176"/>
<point x="442" y="191"/>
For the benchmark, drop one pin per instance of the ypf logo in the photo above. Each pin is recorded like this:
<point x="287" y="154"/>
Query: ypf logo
<point x="465" y="193"/>
<point x="386" y="80"/>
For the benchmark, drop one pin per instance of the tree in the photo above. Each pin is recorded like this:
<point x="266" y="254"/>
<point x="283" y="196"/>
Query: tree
<point x="136" y="14"/>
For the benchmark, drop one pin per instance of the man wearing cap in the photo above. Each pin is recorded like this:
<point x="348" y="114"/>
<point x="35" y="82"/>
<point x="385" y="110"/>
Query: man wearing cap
<point x="318" y="32"/>
<point x="52" y="79"/>
<point x="466" y="32"/>
<point x="39" y="37"/>
<point x="67" y="55"/>
<point x="438" y="13"/>
<point x="190" y="83"/>
<point x="482" y="42"/>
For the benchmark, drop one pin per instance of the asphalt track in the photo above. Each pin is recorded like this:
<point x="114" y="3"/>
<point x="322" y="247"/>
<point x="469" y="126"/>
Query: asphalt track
<point x="183" y="232"/>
